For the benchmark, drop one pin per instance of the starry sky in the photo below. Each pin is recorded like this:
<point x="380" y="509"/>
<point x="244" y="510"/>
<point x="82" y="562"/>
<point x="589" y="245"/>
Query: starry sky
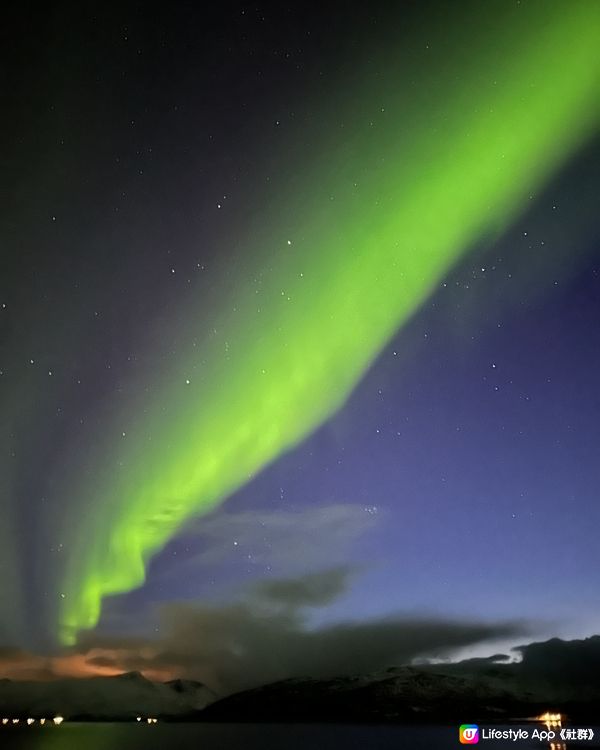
<point x="298" y="320"/>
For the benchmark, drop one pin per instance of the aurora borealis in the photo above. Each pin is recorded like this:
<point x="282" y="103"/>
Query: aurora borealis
<point x="235" y="331"/>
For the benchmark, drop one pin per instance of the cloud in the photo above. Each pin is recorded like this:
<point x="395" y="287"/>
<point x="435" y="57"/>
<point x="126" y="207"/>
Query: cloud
<point x="312" y="590"/>
<point x="204" y="561"/>
<point x="477" y="662"/>
<point x="286" y="539"/>
<point x="18" y="664"/>
<point x="265" y="636"/>
<point x="110" y="661"/>
<point x="562" y="669"/>
<point x="8" y="653"/>
<point x="234" y="648"/>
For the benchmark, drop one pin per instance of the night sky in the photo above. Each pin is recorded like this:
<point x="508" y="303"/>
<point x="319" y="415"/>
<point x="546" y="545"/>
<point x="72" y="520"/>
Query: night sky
<point x="299" y="314"/>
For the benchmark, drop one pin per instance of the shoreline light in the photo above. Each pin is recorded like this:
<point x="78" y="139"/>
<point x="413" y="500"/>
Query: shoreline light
<point x="551" y="719"/>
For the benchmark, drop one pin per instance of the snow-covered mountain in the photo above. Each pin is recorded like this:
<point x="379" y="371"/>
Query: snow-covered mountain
<point x="403" y="694"/>
<point x="427" y="693"/>
<point x="118" y="698"/>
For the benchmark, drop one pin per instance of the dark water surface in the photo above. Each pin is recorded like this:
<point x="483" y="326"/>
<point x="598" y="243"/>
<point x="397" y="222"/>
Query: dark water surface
<point x="246" y="737"/>
<point x="226" y="737"/>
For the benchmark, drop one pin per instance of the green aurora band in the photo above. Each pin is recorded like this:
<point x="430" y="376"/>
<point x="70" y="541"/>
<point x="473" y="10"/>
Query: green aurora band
<point x="420" y="175"/>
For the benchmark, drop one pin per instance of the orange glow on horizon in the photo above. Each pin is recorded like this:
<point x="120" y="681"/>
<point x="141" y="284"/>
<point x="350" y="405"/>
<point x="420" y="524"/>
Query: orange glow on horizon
<point x="23" y="666"/>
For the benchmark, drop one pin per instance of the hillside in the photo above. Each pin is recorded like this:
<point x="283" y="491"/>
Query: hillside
<point x="404" y="694"/>
<point x="104" y="698"/>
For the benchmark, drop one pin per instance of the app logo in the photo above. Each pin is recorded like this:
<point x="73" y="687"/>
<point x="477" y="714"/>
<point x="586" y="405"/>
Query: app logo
<point x="468" y="734"/>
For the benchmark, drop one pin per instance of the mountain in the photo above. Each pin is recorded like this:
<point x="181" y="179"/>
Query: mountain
<point x="470" y="690"/>
<point x="403" y="694"/>
<point x="104" y="698"/>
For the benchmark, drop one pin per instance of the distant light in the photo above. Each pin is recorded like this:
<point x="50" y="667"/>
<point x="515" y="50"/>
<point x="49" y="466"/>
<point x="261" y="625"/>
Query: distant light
<point x="149" y="721"/>
<point x="42" y="721"/>
<point x="30" y="721"/>
<point x="58" y="720"/>
<point x="15" y="721"/>
<point x="5" y="721"/>
<point x="138" y="718"/>
<point x="551" y="720"/>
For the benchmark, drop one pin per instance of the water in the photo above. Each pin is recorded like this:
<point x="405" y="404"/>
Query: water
<point x="245" y="737"/>
<point x="227" y="737"/>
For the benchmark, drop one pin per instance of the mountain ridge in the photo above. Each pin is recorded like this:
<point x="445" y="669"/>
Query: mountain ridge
<point x="409" y="694"/>
<point x="116" y="698"/>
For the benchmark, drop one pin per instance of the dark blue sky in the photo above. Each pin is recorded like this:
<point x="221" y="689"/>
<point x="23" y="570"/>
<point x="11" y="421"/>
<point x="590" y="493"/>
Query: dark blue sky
<point x="471" y="448"/>
<point x="461" y="478"/>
